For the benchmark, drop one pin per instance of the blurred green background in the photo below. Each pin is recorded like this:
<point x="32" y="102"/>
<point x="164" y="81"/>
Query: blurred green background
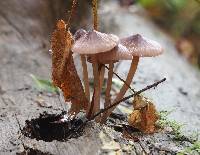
<point x="180" y="19"/>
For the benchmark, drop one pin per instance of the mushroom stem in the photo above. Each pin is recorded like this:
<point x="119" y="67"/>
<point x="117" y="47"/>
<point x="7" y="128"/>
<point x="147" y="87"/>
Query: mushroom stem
<point x="101" y="76"/>
<point x="85" y="77"/>
<point x="128" y="81"/>
<point x="108" y="89"/>
<point x="96" y="86"/>
<point x="101" y="82"/>
<point x="121" y="79"/>
<point x="89" y="113"/>
<point x="95" y="65"/>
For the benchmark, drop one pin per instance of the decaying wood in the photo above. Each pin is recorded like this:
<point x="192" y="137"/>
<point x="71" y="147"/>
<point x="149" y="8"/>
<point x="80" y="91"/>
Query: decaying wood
<point x="25" y="31"/>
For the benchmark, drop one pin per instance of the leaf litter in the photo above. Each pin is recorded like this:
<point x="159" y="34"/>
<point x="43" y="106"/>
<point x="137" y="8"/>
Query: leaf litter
<point x="64" y="73"/>
<point x="144" y="115"/>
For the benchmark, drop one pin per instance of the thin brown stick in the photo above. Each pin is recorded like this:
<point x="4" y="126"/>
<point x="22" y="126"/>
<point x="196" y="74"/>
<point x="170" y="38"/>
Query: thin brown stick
<point x="128" y="97"/>
<point x="95" y="14"/>
<point x="108" y="88"/>
<point x="85" y="77"/>
<point x="121" y="79"/>
<point x="116" y="103"/>
<point x="74" y="3"/>
<point x="129" y="78"/>
<point x="128" y="81"/>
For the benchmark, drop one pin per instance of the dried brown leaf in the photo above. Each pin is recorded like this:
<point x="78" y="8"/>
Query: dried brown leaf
<point x="64" y="73"/>
<point x="144" y="117"/>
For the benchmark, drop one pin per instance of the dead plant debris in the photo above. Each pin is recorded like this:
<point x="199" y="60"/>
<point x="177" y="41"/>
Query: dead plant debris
<point x="144" y="115"/>
<point x="64" y="73"/>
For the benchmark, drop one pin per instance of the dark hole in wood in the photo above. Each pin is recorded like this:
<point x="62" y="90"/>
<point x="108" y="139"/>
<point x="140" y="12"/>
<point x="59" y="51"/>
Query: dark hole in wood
<point x="30" y="151"/>
<point x="48" y="127"/>
<point x="118" y="128"/>
<point x="118" y="116"/>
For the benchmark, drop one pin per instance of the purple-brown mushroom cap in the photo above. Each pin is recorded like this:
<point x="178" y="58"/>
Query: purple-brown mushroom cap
<point x="79" y="33"/>
<point x="94" y="42"/>
<point x="119" y="52"/>
<point x="141" y="46"/>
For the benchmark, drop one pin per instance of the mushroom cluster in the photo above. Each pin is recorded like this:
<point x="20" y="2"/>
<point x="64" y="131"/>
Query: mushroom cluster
<point x="102" y="49"/>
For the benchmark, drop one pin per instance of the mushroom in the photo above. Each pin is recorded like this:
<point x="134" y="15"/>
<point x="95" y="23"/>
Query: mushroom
<point x="92" y="43"/>
<point x="120" y="52"/>
<point x="77" y="35"/>
<point x="138" y="46"/>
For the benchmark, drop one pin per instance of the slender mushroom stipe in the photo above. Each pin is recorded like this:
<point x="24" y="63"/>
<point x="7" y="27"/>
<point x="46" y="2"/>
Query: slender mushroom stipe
<point x="139" y="47"/>
<point x="108" y="89"/>
<point x="91" y="44"/>
<point x="99" y="49"/>
<point x="120" y="52"/>
<point x="85" y="77"/>
<point x="77" y="35"/>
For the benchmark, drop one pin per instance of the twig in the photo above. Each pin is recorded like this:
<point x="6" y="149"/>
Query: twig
<point x="116" y="103"/>
<point x="71" y="12"/>
<point x="128" y="97"/>
<point x="121" y="79"/>
<point x="95" y="14"/>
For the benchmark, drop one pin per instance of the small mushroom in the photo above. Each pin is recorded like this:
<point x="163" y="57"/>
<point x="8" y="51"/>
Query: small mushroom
<point x="77" y="35"/>
<point x="138" y="46"/>
<point x="92" y="43"/>
<point x="120" y="52"/>
<point x="141" y="46"/>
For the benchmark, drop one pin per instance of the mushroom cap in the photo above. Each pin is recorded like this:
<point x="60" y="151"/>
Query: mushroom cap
<point x="95" y="42"/>
<point x="79" y="33"/>
<point x="119" y="52"/>
<point x="142" y="47"/>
